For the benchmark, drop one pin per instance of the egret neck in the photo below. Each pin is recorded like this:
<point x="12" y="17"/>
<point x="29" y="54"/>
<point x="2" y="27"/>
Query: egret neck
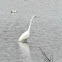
<point x="30" y="23"/>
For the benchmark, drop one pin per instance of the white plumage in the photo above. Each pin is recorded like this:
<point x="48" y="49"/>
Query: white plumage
<point x="26" y="34"/>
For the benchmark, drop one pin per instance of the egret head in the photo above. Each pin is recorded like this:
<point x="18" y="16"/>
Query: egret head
<point x="34" y="16"/>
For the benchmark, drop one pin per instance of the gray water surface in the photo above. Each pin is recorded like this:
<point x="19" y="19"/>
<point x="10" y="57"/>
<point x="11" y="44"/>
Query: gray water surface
<point x="46" y="31"/>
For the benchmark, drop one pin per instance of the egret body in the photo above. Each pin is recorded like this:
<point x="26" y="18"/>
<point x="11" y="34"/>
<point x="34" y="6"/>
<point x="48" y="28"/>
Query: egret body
<point x="26" y="34"/>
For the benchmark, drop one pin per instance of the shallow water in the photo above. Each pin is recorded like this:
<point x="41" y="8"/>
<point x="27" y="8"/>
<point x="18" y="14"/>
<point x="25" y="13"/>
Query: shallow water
<point x="46" y="31"/>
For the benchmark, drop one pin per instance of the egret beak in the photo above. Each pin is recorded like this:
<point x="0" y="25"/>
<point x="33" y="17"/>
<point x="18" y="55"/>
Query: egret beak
<point x="35" y="16"/>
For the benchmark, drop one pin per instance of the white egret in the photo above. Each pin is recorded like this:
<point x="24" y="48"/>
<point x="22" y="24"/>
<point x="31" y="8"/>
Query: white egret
<point x="26" y="34"/>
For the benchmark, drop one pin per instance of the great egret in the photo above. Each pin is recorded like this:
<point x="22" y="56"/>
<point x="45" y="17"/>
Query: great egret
<point x="26" y="34"/>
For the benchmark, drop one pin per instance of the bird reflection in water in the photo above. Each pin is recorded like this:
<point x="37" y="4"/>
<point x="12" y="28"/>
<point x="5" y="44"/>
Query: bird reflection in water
<point x="25" y="51"/>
